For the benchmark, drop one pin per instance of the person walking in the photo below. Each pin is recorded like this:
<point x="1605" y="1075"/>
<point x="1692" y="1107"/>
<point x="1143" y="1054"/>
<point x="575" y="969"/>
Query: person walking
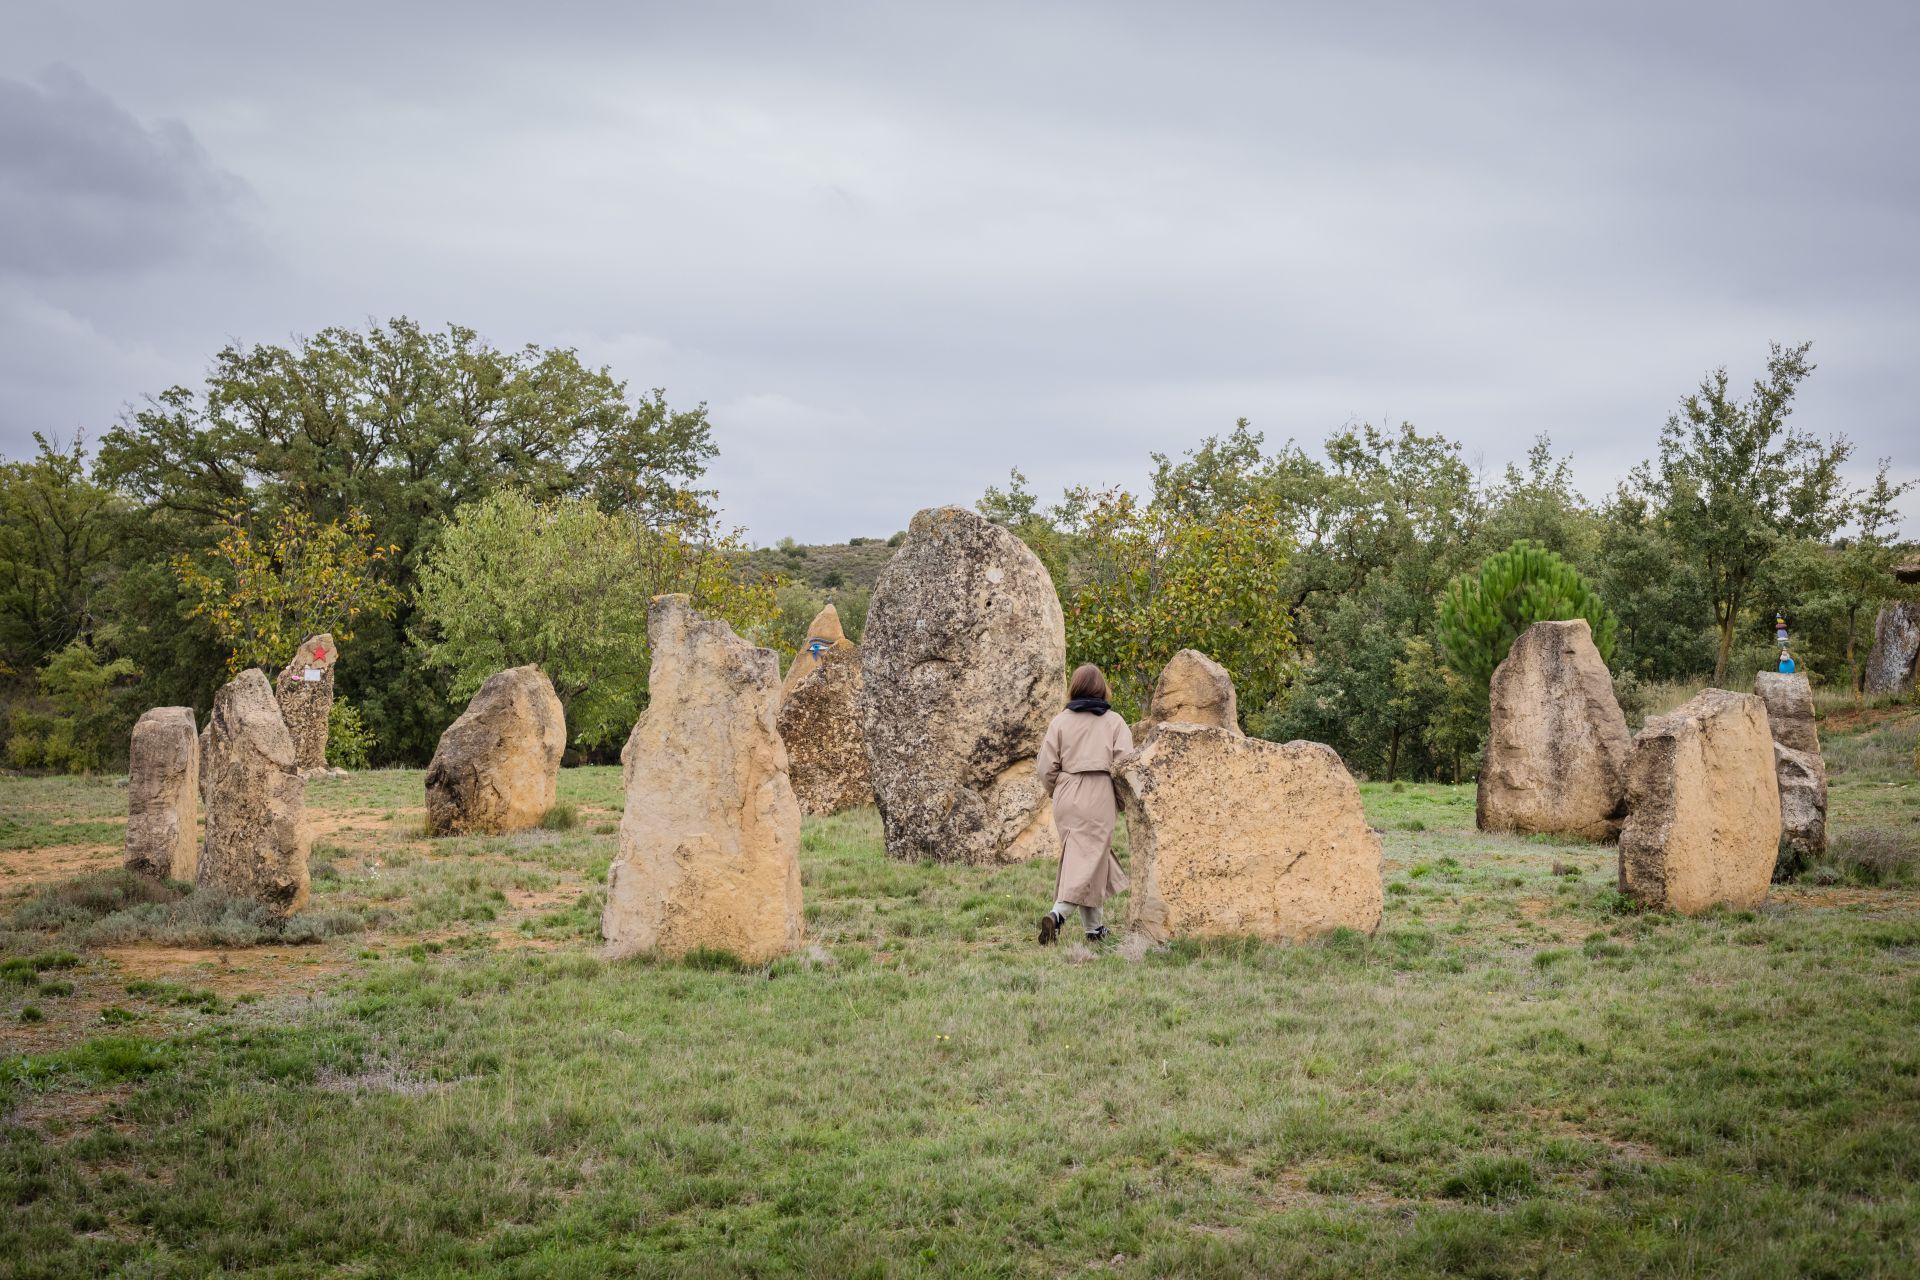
<point x="1074" y="765"/>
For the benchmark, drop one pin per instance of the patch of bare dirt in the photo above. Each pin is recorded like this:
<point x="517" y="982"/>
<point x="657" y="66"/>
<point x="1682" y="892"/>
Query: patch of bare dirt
<point x="22" y="870"/>
<point x="229" y="974"/>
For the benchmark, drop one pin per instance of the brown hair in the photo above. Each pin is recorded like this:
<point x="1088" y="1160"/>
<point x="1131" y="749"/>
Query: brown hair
<point x="1088" y="682"/>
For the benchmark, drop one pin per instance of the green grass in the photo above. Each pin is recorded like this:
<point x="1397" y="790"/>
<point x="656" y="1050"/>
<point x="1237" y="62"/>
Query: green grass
<point x="1517" y="1075"/>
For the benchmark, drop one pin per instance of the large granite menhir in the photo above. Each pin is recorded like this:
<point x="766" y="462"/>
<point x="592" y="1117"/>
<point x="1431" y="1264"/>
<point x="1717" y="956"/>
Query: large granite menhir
<point x="305" y="693"/>
<point x="497" y="768"/>
<point x="163" y="795"/>
<point x="1799" y="769"/>
<point x="256" y="801"/>
<point x="710" y="840"/>
<point x="1895" y="652"/>
<point x="963" y="664"/>
<point x="1703" y="824"/>
<point x="1557" y="742"/>
<point x="1235" y="835"/>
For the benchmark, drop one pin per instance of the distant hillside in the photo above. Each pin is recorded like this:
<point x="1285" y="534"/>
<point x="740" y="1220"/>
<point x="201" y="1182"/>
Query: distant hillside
<point x="826" y="566"/>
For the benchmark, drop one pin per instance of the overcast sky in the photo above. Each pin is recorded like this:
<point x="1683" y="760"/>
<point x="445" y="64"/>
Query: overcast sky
<point x="898" y="248"/>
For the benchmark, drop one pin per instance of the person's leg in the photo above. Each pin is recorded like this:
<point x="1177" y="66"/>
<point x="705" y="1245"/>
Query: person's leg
<point x="1091" y="918"/>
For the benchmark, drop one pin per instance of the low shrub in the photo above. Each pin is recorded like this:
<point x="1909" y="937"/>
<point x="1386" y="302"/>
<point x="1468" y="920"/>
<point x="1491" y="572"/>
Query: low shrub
<point x="115" y="908"/>
<point x="562" y="817"/>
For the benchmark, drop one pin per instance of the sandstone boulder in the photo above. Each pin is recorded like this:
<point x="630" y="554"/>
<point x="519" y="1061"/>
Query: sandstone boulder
<point x="1789" y="700"/>
<point x="163" y="795"/>
<point x="1802" y="779"/>
<point x="497" y="768"/>
<point x="710" y="841"/>
<point x="820" y="723"/>
<point x="1703" y="824"/>
<point x="1192" y="689"/>
<point x="256" y="843"/>
<point x="1235" y="835"/>
<point x="962" y="664"/>
<point x="1896" y="647"/>
<point x="1557" y="743"/>
<point x="824" y="635"/>
<point x="305" y="692"/>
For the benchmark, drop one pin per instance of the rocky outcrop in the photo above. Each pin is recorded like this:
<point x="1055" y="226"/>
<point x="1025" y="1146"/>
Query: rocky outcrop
<point x="820" y="723"/>
<point x="1790" y="715"/>
<point x="1799" y="769"/>
<point x="1703" y="825"/>
<point x="305" y="693"/>
<point x="497" y="768"/>
<point x="710" y="841"/>
<point x="1192" y="689"/>
<point x="163" y="795"/>
<point x="1557" y="742"/>
<point x="256" y="843"/>
<point x="1896" y="647"/>
<point x="962" y="665"/>
<point x="1235" y="835"/>
<point x="824" y="635"/>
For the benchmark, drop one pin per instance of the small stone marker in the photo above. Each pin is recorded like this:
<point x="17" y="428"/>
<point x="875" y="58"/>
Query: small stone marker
<point x="1703" y="822"/>
<point x="1235" y="835"/>
<point x="497" y="768"/>
<point x="256" y="802"/>
<point x="305" y="692"/>
<point x="824" y="633"/>
<point x="1192" y="689"/>
<point x="710" y="840"/>
<point x="163" y="795"/>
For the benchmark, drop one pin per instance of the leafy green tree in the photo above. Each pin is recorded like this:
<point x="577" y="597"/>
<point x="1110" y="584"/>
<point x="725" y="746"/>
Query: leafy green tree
<point x="1017" y="510"/>
<point x="1481" y="614"/>
<point x="565" y="584"/>
<point x="79" y="725"/>
<point x="58" y="535"/>
<point x="1735" y="482"/>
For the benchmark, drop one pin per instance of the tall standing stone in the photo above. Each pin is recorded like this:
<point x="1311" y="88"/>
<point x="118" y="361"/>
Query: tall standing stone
<point x="1799" y="769"/>
<point x="497" y="768"/>
<point x="1703" y="824"/>
<point x="710" y="841"/>
<point x="1557" y="742"/>
<point x="1192" y="689"/>
<point x="1235" y="835"/>
<point x="256" y="802"/>
<point x="1896" y="649"/>
<point x="163" y="795"/>
<point x="824" y="635"/>
<point x="305" y="692"/>
<point x="963" y="663"/>
<point x="820" y="723"/>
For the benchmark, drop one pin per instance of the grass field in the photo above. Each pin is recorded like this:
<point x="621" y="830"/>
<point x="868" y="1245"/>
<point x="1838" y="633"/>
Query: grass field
<point x="436" y="1075"/>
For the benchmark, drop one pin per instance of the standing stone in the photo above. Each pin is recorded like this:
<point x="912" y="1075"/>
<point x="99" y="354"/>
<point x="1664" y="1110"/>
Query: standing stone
<point x="824" y="635"/>
<point x="305" y="691"/>
<point x="256" y="802"/>
<point x="1799" y="767"/>
<point x="163" y="795"/>
<point x="710" y="841"/>
<point x="1703" y="824"/>
<point x="963" y="664"/>
<point x="820" y="723"/>
<point x="1896" y="647"/>
<point x="1192" y="689"/>
<point x="1235" y="835"/>
<point x="1557" y="744"/>
<point x="497" y="768"/>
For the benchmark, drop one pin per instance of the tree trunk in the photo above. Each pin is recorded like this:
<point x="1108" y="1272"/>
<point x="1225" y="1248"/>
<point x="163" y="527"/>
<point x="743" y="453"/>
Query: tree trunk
<point x="1726" y="648"/>
<point x="1393" y="755"/>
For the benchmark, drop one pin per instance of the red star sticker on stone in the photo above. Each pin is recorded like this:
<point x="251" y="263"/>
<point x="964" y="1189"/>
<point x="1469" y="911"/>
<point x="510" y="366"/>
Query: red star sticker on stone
<point x="320" y="653"/>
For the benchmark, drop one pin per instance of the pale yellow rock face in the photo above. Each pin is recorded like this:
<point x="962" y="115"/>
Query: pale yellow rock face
<point x="305" y="693"/>
<point x="1557" y="742"/>
<point x="1235" y="835"/>
<point x="497" y="768"/>
<point x="710" y="841"/>
<point x="1192" y="689"/>
<point x="825" y="629"/>
<point x="1703" y="824"/>
<point x="256" y="843"/>
<point x="163" y="795"/>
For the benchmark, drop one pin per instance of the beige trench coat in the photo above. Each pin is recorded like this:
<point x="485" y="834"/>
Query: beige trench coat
<point x="1079" y="749"/>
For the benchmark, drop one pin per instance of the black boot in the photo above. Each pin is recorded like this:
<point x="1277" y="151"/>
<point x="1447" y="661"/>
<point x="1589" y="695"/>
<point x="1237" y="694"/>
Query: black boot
<point x="1050" y="928"/>
<point x="1097" y="934"/>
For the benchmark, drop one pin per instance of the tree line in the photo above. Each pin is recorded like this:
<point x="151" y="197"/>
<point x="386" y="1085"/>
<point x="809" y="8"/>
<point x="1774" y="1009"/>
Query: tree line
<point x="448" y="508"/>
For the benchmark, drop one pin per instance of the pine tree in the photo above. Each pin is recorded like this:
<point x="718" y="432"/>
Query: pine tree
<point x="1481" y="614"/>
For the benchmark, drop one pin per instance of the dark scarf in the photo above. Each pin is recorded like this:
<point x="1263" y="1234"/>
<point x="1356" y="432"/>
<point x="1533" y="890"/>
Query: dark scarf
<point x="1092" y="706"/>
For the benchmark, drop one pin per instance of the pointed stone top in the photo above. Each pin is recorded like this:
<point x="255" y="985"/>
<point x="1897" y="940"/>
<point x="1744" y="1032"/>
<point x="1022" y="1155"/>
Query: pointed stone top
<point x="315" y="651"/>
<point x="826" y="626"/>
<point x="1194" y="689"/>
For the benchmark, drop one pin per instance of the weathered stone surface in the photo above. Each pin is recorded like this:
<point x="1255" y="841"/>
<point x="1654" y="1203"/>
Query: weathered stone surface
<point x="962" y="664"/>
<point x="820" y="723"/>
<point x="1557" y="742"/>
<point x="497" y="768"/>
<point x="256" y="802"/>
<point x="1802" y="779"/>
<point x="1192" y="689"/>
<point x="1703" y="824"/>
<point x="1230" y="835"/>
<point x="823" y="635"/>
<point x="1896" y="647"/>
<point x="305" y="692"/>
<point x="710" y="841"/>
<point x="163" y="795"/>
<point x="1789" y="700"/>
